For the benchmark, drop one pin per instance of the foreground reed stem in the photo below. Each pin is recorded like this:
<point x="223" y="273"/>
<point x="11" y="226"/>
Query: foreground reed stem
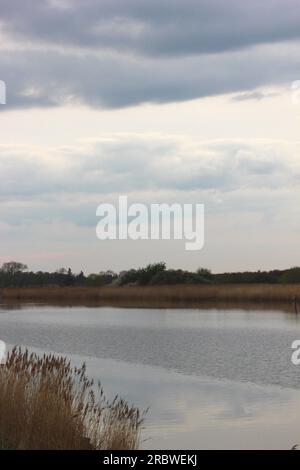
<point x="46" y="403"/>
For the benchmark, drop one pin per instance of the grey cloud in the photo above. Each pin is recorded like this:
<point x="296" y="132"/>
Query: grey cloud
<point x="253" y="95"/>
<point x="37" y="78"/>
<point x="113" y="54"/>
<point x="132" y="163"/>
<point x="156" y="27"/>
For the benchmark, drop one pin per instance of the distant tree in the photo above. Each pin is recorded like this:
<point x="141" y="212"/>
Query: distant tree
<point x="13" y="267"/>
<point x="146" y="274"/>
<point x="177" y="276"/>
<point x="12" y="274"/>
<point x="62" y="271"/>
<point x="291" y="276"/>
<point x="69" y="278"/>
<point x="204" y="272"/>
<point x="80" y="278"/>
<point x="128" y="277"/>
<point x="101" y="279"/>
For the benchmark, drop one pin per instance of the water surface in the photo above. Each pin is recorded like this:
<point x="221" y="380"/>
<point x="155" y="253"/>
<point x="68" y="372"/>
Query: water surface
<point x="212" y="378"/>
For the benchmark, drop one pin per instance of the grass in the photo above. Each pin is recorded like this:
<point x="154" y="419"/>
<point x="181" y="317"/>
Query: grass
<point x="160" y="296"/>
<point x="45" y="403"/>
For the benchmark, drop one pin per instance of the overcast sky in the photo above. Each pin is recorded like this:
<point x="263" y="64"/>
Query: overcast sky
<point x="163" y="100"/>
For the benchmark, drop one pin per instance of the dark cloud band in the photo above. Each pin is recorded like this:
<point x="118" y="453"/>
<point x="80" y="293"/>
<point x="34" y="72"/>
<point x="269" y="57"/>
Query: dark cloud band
<point x="153" y="27"/>
<point x="112" y="54"/>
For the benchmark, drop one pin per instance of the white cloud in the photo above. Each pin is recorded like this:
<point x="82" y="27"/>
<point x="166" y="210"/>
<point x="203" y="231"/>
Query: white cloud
<point x="68" y="183"/>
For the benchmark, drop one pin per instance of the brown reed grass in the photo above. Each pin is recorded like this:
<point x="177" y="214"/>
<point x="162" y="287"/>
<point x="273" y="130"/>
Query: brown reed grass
<point x="182" y="295"/>
<point x="45" y="403"/>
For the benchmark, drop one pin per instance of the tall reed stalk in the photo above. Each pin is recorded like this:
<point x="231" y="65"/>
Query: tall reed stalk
<point x="45" y="403"/>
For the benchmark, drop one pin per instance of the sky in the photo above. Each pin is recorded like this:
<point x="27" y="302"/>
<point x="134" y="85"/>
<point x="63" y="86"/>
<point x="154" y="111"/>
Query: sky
<point x="194" y="101"/>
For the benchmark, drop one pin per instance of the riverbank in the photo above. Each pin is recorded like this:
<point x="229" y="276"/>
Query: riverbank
<point x="162" y="296"/>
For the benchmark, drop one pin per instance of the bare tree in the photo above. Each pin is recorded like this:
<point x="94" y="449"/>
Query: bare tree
<point x="13" y="267"/>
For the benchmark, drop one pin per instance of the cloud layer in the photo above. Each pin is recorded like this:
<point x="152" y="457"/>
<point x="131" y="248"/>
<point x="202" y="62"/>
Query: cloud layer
<point x="49" y="200"/>
<point x="68" y="183"/>
<point x="123" y="53"/>
<point x="159" y="27"/>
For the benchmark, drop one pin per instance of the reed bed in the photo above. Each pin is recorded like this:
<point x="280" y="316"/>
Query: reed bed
<point x="188" y="295"/>
<point x="45" y="403"/>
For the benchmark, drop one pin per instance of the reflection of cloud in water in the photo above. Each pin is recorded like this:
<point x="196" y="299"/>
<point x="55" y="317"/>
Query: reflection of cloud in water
<point x="190" y="412"/>
<point x="213" y="402"/>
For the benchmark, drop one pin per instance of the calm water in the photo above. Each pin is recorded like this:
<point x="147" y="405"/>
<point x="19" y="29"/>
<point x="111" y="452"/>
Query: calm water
<point x="212" y="378"/>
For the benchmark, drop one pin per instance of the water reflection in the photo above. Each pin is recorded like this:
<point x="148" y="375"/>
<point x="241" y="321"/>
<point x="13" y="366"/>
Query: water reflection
<point x="212" y="379"/>
<point x="200" y="412"/>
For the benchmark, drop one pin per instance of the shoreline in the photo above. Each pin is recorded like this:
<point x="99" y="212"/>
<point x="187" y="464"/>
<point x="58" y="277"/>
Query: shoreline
<point x="285" y="296"/>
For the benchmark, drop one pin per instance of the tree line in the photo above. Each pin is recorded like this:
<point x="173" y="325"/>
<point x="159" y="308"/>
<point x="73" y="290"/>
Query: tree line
<point x="16" y="274"/>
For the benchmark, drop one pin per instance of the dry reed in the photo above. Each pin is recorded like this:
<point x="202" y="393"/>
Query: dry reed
<point x="159" y="295"/>
<point x="45" y="403"/>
